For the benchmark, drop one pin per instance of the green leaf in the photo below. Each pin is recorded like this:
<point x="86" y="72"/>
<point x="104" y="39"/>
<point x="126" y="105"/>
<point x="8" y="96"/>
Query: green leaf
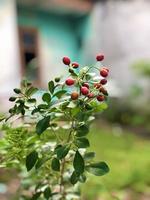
<point x="46" y="97"/>
<point x="74" y="178"/>
<point x="62" y="151"/>
<point x="75" y="111"/>
<point x="98" y="169"/>
<point x="32" y="100"/>
<point x="34" y="111"/>
<point x="20" y="101"/>
<point x="31" y="91"/>
<point x="82" y="142"/>
<point x="82" y="130"/>
<point x="47" y="193"/>
<point x="82" y="178"/>
<point x="88" y="106"/>
<point x="51" y="87"/>
<point x="36" y="196"/>
<point x="55" y="164"/>
<point x="72" y="71"/>
<point x="60" y="93"/>
<point x="17" y="90"/>
<point x="42" y="125"/>
<point x="43" y="106"/>
<point x="12" y="99"/>
<point x="31" y="160"/>
<point x="78" y="163"/>
<point x="89" y="156"/>
<point x="98" y="107"/>
<point x="40" y="162"/>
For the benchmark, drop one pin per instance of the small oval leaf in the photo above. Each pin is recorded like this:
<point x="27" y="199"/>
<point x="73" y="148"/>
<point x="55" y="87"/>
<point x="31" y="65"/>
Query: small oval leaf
<point x="82" y="142"/>
<point x="51" y="87"/>
<point x="82" y="130"/>
<point x="62" y="151"/>
<point x="46" y="97"/>
<point x="42" y="125"/>
<point x="31" y="91"/>
<point x="89" y="156"/>
<point x="31" y="160"/>
<point x="60" y="93"/>
<point x="74" y="178"/>
<point x="47" y="193"/>
<point x="36" y="196"/>
<point x="78" y="163"/>
<point x="98" y="169"/>
<point x="55" y="164"/>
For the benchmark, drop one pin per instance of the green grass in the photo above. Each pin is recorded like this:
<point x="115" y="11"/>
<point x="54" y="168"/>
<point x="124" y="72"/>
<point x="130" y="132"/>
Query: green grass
<point x="128" y="157"/>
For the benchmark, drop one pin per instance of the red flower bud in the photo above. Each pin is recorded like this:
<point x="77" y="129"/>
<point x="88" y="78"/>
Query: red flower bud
<point x="84" y="90"/>
<point x="106" y="68"/>
<point x="75" y="65"/>
<point x="66" y="60"/>
<point x="103" y="72"/>
<point x="100" y="98"/>
<point x="97" y="85"/>
<point x="103" y="90"/>
<point x="90" y="95"/>
<point x="100" y="57"/>
<point x="74" y="96"/>
<point x="86" y="85"/>
<point x="103" y="81"/>
<point x="70" y="81"/>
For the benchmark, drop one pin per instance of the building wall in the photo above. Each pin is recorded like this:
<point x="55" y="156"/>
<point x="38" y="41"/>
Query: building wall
<point x="58" y="36"/>
<point x="121" y="30"/>
<point x="9" y="57"/>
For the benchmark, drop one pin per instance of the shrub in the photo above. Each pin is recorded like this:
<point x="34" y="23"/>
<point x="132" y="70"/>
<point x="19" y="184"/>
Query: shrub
<point x="51" y="140"/>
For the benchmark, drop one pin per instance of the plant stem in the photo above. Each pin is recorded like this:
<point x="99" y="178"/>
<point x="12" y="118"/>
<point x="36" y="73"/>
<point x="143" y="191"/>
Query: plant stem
<point x="62" y="187"/>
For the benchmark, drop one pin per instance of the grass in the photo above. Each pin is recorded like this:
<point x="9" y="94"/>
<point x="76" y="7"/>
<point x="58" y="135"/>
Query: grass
<point x="129" y="161"/>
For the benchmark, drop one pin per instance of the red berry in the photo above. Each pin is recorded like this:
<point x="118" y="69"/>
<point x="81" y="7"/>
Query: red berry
<point x="74" y="96"/>
<point x="90" y="95"/>
<point x="97" y="85"/>
<point x="100" y="57"/>
<point x="100" y="98"/>
<point x="84" y="90"/>
<point x="106" y="68"/>
<point x="103" y="90"/>
<point x="86" y="85"/>
<point x="103" y="81"/>
<point x="66" y="60"/>
<point x="70" y="81"/>
<point x="75" y="65"/>
<point x="103" y="72"/>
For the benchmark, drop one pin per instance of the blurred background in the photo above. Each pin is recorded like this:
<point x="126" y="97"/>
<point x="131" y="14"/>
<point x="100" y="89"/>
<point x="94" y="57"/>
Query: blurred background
<point x="36" y="34"/>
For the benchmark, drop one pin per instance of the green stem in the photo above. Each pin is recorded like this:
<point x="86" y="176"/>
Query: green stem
<point x="62" y="187"/>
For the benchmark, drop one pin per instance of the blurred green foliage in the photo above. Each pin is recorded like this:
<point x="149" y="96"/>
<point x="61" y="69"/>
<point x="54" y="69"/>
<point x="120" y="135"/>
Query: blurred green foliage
<point x="142" y="67"/>
<point x="125" y="112"/>
<point x="128" y="157"/>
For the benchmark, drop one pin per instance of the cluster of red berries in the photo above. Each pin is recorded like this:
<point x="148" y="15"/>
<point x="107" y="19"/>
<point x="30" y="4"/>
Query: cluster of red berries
<point x="97" y="91"/>
<point x="67" y="61"/>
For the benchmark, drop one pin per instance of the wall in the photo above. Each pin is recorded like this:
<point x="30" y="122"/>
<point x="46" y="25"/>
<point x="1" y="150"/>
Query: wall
<point x="58" y="36"/>
<point x="121" y="29"/>
<point x="9" y="58"/>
